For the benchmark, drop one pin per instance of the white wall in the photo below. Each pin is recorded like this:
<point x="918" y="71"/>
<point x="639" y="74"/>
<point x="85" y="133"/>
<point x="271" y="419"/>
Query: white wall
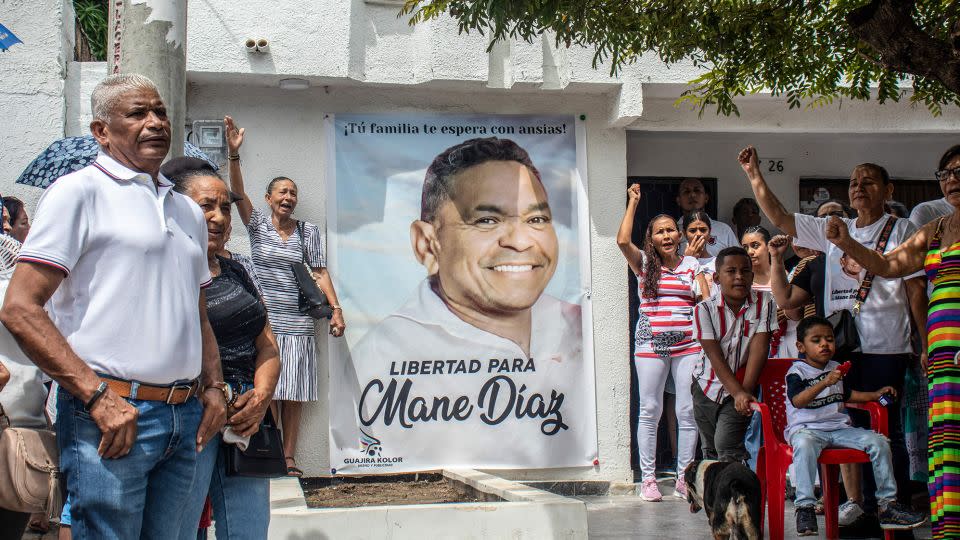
<point x="284" y="136"/>
<point x="31" y="96"/>
<point x="671" y="153"/>
<point x="82" y="77"/>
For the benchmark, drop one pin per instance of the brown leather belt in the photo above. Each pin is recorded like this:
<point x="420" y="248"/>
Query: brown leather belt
<point x="175" y="394"/>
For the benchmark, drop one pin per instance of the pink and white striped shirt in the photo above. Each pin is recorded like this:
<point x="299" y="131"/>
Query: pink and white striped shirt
<point x="671" y="310"/>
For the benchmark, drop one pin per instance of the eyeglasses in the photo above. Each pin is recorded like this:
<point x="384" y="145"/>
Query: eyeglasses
<point x="837" y="213"/>
<point x="945" y="174"/>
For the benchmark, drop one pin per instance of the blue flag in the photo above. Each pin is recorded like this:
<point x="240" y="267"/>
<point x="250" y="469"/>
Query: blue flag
<point x="7" y="39"/>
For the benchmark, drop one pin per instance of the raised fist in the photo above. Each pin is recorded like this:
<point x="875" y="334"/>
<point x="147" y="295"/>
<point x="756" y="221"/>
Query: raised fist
<point x="749" y="161"/>
<point x="837" y="231"/>
<point x="778" y="245"/>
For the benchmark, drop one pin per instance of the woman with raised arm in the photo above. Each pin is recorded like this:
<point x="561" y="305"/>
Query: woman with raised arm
<point x="935" y="248"/>
<point x="278" y="240"/>
<point x="670" y="286"/>
<point x="883" y="320"/>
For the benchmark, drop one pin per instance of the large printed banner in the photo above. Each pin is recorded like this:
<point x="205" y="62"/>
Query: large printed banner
<point x="459" y="252"/>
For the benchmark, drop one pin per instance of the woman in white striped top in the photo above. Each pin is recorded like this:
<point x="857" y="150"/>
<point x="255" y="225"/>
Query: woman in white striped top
<point x="277" y="241"/>
<point x="670" y="285"/>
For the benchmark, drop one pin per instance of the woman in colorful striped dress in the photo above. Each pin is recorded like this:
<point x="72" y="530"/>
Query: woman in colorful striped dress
<point x="936" y="249"/>
<point x="670" y="286"/>
<point x="278" y="240"/>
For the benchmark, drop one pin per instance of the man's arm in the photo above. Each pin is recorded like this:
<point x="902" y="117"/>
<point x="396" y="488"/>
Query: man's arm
<point x="917" y="296"/>
<point x="769" y="203"/>
<point x="30" y="288"/>
<point x="214" y="406"/>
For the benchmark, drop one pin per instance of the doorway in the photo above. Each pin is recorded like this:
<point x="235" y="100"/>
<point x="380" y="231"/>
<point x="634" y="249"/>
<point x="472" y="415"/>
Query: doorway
<point x="658" y="195"/>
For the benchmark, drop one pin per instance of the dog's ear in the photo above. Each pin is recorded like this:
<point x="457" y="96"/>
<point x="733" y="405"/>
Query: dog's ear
<point x="690" y="473"/>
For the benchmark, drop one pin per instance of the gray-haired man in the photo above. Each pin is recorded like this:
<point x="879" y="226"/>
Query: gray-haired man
<point x="122" y="260"/>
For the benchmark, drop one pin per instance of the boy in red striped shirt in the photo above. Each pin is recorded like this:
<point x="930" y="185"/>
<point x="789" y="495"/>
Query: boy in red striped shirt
<point x="733" y="329"/>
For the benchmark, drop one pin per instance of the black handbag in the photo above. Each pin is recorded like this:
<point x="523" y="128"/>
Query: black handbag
<point x="845" y="334"/>
<point x="263" y="457"/>
<point x="311" y="300"/>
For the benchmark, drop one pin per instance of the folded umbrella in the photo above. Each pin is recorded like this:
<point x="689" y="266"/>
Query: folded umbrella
<point x="74" y="153"/>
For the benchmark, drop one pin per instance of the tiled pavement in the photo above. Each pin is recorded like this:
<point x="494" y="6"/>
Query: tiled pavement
<point x="629" y="517"/>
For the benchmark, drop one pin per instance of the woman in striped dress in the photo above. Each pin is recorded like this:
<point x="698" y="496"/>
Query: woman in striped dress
<point x="936" y="249"/>
<point x="670" y="286"/>
<point x="277" y="241"/>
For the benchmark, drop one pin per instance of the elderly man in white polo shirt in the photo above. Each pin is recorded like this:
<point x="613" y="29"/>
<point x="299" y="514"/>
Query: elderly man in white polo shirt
<point x="121" y="259"/>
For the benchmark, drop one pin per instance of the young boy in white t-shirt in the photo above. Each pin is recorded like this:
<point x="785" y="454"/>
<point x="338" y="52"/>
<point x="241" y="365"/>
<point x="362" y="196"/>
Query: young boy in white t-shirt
<point x="816" y="419"/>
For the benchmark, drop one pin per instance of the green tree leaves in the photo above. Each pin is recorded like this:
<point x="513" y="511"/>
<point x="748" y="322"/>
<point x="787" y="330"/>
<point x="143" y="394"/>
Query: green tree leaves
<point x="810" y="52"/>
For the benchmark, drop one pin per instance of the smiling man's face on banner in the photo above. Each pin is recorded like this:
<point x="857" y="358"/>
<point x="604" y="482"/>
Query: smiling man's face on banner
<point x="492" y="245"/>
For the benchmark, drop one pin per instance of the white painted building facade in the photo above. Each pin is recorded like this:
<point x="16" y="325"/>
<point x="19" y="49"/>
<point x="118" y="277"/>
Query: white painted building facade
<point x="359" y="57"/>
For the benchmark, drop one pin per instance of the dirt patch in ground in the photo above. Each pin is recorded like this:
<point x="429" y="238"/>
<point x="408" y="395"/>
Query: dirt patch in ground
<point x="377" y="491"/>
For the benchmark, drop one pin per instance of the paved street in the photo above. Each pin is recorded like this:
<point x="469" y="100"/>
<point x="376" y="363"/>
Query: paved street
<point x="632" y="518"/>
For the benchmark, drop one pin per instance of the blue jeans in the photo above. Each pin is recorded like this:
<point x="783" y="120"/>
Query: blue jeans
<point x="141" y="494"/>
<point x="241" y="505"/>
<point x="808" y="443"/>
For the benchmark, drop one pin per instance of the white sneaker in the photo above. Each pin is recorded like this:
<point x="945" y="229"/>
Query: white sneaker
<point x="849" y="512"/>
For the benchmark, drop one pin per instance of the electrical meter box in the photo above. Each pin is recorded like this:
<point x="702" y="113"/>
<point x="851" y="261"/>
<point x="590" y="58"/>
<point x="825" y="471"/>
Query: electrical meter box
<point x="208" y="136"/>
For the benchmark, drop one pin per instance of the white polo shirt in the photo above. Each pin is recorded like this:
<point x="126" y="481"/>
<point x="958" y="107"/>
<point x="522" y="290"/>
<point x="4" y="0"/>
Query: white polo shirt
<point x="714" y="319"/>
<point x="134" y="256"/>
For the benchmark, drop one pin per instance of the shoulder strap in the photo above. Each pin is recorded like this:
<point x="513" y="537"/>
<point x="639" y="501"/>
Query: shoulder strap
<point x="303" y="242"/>
<point x="935" y="241"/>
<point x="867" y="282"/>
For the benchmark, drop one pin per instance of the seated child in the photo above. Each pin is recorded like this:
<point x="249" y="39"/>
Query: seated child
<point x="816" y="419"/>
<point x="733" y="329"/>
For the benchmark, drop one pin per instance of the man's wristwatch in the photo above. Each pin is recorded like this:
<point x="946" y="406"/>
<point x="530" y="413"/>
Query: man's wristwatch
<point x="227" y="391"/>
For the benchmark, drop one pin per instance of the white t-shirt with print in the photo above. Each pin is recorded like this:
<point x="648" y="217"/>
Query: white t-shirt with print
<point x="825" y="412"/>
<point x="884" y="319"/>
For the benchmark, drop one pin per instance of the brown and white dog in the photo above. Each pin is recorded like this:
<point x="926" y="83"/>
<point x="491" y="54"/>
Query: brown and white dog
<point x="730" y="494"/>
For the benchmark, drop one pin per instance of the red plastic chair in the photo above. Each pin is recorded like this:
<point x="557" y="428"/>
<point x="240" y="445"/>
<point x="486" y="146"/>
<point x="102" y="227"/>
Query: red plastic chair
<point x="776" y="455"/>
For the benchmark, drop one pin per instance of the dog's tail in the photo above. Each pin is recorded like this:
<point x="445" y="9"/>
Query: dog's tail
<point x="743" y="517"/>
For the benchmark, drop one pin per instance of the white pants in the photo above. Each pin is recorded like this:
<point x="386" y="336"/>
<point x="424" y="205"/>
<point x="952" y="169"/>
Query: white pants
<point x="652" y="377"/>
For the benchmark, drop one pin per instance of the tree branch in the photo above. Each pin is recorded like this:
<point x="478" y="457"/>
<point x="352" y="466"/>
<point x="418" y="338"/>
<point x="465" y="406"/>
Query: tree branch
<point x="887" y="26"/>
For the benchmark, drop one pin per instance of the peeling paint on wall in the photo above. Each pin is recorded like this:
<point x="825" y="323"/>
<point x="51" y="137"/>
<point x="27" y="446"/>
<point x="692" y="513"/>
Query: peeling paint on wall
<point x="165" y="11"/>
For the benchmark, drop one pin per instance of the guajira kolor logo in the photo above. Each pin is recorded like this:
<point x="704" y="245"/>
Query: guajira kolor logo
<point x="370" y="445"/>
